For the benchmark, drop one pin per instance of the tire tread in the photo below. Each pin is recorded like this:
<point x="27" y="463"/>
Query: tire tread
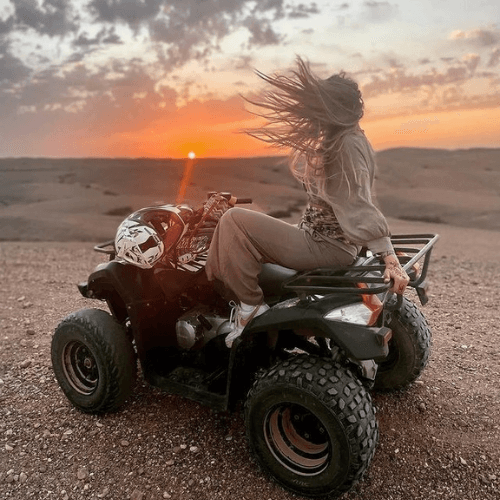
<point x="342" y="393"/>
<point x="110" y="340"/>
<point x="409" y="316"/>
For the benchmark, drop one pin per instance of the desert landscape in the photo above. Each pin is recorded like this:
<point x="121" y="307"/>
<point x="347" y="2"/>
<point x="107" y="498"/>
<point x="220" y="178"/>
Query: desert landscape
<point x="439" y="440"/>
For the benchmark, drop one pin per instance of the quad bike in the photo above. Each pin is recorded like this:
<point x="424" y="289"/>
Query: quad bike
<point x="304" y="368"/>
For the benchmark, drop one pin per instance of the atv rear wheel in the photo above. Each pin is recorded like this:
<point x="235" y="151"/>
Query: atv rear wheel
<point x="409" y="349"/>
<point x="93" y="361"/>
<point x="311" y="425"/>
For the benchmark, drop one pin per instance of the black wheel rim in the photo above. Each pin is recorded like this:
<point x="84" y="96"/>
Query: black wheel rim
<point x="80" y="368"/>
<point x="297" y="439"/>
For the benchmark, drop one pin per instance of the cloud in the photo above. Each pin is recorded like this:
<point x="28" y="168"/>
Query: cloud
<point x="52" y="17"/>
<point x="87" y="70"/>
<point x="262" y="33"/>
<point x="244" y="62"/>
<point x="12" y="69"/>
<point x="72" y="87"/>
<point x="79" y="105"/>
<point x="82" y="75"/>
<point x="170" y="21"/>
<point x="478" y="37"/>
<point x="178" y="31"/>
<point x="436" y="90"/>
<point x="193" y="29"/>
<point x="104" y="37"/>
<point x="82" y="115"/>
<point x="398" y="80"/>
<point x="303" y="11"/>
<point x="379" y="12"/>
<point x="132" y="12"/>
<point x="494" y="58"/>
<point x="471" y="61"/>
<point x="7" y="25"/>
<point x="117" y="108"/>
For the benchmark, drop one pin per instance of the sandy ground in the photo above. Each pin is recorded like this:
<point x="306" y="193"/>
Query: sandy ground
<point x="439" y="440"/>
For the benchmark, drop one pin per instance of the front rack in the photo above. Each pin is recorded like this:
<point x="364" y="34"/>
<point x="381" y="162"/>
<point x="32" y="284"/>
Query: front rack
<point x="369" y="272"/>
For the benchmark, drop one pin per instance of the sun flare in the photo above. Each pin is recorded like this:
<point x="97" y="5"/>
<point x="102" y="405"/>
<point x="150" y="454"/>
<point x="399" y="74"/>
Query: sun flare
<point x="191" y="155"/>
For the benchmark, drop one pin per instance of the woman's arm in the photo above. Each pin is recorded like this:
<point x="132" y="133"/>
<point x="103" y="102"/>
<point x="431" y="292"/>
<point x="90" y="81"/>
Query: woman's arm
<point x="362" y="222"/>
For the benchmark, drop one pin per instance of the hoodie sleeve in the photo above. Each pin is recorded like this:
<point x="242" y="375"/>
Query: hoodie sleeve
<point x="362" y="222"/>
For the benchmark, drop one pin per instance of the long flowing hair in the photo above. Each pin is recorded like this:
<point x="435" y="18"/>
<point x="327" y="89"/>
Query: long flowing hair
<point x="311" y="117"/>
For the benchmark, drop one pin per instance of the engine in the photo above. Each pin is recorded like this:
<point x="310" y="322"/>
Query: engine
<point x="197" y="327"/>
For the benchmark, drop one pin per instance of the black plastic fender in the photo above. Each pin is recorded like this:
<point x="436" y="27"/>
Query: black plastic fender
<point x="128" y="290"/>
<point x="358" y="341"/>
<point x="132" y="283"/>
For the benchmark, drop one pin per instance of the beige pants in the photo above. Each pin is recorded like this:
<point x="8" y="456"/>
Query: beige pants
<point x="245" y="239"/>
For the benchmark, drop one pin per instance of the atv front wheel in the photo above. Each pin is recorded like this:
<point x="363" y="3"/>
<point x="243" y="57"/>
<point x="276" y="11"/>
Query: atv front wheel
<point x="409" y="349"/>
<point x="93" y="361"/>
<point x="311" y="425"/>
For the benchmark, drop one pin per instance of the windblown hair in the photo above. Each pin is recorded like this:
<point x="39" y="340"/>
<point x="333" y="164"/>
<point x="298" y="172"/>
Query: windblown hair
<point x="312" y="117"/>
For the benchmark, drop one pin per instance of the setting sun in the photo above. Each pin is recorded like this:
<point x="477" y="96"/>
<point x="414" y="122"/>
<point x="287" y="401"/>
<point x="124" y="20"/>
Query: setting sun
<point x="191" y="155"/>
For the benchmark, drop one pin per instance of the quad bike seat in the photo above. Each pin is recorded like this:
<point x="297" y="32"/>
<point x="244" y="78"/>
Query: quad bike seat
<point x="272" y="277"/>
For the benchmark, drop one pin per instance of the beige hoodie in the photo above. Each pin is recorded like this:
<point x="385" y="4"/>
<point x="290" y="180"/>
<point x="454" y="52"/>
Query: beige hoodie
<point x="360" y="220"/>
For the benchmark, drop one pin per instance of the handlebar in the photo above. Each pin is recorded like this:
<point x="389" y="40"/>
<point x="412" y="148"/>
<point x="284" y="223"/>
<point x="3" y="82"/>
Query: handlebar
<point x="229" y="196"/>
<point x="240" y="201"/>
<point x="108" y="247"/>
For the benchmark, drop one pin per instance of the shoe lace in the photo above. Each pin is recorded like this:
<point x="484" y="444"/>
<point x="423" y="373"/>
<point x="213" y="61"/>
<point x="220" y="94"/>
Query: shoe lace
<point x="234" y="313"/>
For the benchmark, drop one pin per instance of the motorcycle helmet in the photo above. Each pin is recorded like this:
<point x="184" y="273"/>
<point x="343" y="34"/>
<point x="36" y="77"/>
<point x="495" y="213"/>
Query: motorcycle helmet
<point x="145" y="236"/>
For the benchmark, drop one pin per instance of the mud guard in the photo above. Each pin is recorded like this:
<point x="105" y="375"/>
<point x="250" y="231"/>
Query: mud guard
<point x="358" y="341"/>
<point x="130" y="282"/>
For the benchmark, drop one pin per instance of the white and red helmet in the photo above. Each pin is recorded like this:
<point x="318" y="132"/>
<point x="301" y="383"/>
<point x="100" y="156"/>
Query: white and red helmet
<point x="145" y="236"/>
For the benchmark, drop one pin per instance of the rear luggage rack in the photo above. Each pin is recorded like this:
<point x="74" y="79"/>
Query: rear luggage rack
<point x="370" y="271"/>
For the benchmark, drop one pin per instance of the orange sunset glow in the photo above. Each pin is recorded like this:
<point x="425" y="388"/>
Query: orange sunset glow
<point x="442" y="129"/>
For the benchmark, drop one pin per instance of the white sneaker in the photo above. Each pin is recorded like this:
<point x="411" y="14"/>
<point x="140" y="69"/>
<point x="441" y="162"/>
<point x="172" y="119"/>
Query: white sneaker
<point x="239" y="320"/>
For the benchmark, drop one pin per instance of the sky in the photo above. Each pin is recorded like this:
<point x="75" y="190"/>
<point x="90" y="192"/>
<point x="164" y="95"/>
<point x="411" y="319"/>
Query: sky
<point x="163" y="78"/>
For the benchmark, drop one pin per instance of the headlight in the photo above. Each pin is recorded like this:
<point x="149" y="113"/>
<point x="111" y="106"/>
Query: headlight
<point x="360" y="314"/>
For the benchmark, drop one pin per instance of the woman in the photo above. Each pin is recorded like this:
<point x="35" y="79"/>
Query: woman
<point x="318" y="120"/>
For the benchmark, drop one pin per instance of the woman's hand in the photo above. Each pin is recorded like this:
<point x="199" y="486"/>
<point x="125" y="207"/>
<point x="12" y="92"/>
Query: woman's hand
<point x="394" y="271"/>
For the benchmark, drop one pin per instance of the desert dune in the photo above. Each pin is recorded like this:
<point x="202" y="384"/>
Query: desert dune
<point x="85" y="199"/>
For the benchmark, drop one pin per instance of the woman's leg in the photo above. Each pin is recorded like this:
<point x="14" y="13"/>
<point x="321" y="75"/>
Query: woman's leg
<point x="245" y="239"/>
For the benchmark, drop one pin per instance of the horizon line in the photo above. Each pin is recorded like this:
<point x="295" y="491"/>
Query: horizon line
<point x="181" y="158"/>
